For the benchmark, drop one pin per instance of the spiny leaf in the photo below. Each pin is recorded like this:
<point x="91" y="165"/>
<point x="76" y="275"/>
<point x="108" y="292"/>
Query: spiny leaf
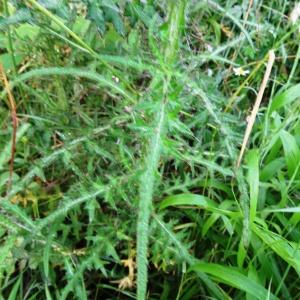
<point x="66" y="206"/>
<point x="71" y="72"/>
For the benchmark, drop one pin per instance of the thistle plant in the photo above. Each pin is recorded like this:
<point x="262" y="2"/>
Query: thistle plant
<point x="149" y="150"/>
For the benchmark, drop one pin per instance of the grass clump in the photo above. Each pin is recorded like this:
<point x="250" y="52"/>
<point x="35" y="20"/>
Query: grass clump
<point x="128" y="119"/>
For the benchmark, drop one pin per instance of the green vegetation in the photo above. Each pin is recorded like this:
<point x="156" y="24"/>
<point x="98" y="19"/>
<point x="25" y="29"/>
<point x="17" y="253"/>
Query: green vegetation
<point x="122" y="124"/>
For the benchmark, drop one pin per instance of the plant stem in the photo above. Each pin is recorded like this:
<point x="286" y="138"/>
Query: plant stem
<point x="145" y="204"/>
<point x="151" y="162"/>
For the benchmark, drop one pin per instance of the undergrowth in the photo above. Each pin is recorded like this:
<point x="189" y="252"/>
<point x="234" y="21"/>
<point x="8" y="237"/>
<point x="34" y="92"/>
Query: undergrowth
<point x="121" y="126"/>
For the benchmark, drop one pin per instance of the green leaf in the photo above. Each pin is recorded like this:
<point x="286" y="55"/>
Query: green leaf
<point x="241" y="255"/>
<point x="187" y="257"/>
<point x="5" y="153"/>
<point x="286" y="97"/>
<point x="215" y="216"/>
<point x="81" y="26"/>
<point x="253" y="181"/>
<point x="233" y="278"/>
<point x="175" y="26"/>
<point x="217" y="29"/>
<point x="46" y="256"/>
<point x="112" y="15"/>
<point x="8" y="224"/>
<point x="184" y="199"/>
<point x="271" y="169"/>
<point x="20" y="16"/>
<point x="47" y="292"/>
<point x="199" y="201"/>
<point x="94" y="13"/>
<point x="6" y="248"/>
<point x="27" y="31"/>
<point x="252" y="274"/>
<point x="7" y="61"/>
<point x="288" y="251"/>
<point x="208" y="164"/>
<point x="291" y="151"/>
<point x="287" y="209"/>
<point x="15" y="289"/>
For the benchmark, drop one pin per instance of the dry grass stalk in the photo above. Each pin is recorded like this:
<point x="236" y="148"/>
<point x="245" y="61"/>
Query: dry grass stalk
<point x="256" y="106"/>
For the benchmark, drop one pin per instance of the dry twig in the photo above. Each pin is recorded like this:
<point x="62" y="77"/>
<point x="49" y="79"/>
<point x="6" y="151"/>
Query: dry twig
<point x="254" y="112"/>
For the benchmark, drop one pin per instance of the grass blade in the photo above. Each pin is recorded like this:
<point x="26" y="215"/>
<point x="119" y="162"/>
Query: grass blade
<point x="284" y="98"/>
<point x="253" y="181"/>
<point x="186" y="256"/>
<point x="233" y="278"/>
<point x="291" y="151"/>
<point x="185" y="199"/>
<point x="287" y="250"/>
